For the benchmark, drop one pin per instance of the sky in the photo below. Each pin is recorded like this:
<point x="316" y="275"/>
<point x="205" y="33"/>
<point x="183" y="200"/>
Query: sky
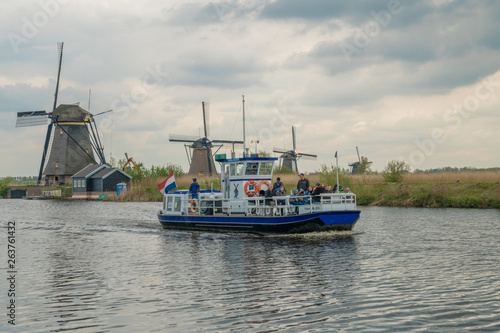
<point x="401" y="80"/>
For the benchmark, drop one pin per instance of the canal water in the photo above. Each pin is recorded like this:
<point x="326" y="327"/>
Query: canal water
<point x="109" y="267"/>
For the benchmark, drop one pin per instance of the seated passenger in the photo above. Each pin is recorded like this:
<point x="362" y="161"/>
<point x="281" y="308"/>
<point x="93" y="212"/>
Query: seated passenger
<point x="278" y="184"/>
<point x="317" y="191"/>
<point x="269" y="194"/>
<point x="307" y="195"/>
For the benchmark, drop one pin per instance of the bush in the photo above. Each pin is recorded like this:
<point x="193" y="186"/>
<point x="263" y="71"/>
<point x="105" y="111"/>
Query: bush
<point x="282" y="170"/>
<point x="4" y="186"/>
<point x="394" y="171"/>
<point x="328" y="176"/>
<point x="155" y="171"/>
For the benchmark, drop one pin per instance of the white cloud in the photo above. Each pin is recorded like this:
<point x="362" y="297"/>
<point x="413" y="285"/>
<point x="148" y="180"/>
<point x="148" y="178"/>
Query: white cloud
<point x="287" y="63"/>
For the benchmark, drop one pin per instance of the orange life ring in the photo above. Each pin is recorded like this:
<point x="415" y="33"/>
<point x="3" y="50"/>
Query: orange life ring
<point x="194" y="209"/>
<point x="264" y="182"/>
<point x="256" y="188"/>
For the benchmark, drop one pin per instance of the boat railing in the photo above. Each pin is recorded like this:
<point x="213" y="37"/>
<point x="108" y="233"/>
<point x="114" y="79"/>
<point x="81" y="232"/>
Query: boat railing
<point x="268" y="206"/>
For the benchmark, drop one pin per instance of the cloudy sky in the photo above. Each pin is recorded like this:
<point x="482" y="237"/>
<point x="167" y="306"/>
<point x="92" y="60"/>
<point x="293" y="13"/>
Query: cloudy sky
<point x="413" y="80"/>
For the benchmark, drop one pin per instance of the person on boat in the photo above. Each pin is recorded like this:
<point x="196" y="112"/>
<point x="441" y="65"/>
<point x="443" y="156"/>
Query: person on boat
<point x="334" y="189"/>
<point x="307" y="195"/>
<point x="270" y="193"/>
<point x="328" y="189"/>
<point x="278" y="184"/>
<point x="297" y="197"/>
<point x="317" y="191"/>
<point x="281" y="193"/>
<point x="303" y="183"/>
<point x="194" y="189"/>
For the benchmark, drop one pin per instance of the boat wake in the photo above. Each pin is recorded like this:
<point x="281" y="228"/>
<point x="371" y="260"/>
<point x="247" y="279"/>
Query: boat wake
<point x="319" y="235"/>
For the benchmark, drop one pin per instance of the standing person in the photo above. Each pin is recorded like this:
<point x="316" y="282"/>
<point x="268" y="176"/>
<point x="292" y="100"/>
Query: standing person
<point x="194" y="189"/>
<point x="278" y="184"/>
<point x="303" y="183"/>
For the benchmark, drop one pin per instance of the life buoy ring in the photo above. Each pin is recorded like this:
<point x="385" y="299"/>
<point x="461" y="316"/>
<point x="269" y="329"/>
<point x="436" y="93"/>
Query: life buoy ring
<point x="255" y="187"/>
<point x="194" y="206"/>
<point x="264" y="182"/>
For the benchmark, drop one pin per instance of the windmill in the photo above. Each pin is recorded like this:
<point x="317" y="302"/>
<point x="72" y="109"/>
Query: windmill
<point x="355" y="165"/>
<point x="289" y="158"/>
<point x="201" y="161"/>
<point x="71" y="137"/>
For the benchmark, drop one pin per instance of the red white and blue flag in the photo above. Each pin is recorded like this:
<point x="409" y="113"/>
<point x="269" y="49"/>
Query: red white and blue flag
<point x="168" y="184"/>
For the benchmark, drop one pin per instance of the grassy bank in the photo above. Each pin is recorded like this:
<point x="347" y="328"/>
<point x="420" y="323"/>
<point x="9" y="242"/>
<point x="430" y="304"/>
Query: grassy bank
<point x="446" y="189"/>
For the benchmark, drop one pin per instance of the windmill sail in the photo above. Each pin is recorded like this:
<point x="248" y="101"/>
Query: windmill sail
<point x="31" y="118"/>
<point x="201" y="161"/>
<point x="289" y="157"/>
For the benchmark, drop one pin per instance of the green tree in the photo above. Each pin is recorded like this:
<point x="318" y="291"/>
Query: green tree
<point x="328" y="176"/>
<point x="264" y="154"/>
<point x="394" y="171"/>
<point x="364" y="166"/>
<point x="278" y="169"/>
<point x="4" y="186"/>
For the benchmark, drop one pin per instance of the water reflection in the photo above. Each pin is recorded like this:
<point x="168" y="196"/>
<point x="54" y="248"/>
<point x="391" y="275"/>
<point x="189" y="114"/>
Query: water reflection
<point x="75" y="287"/>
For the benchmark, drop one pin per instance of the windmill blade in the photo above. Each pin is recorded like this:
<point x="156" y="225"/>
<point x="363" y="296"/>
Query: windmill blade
<point x="206" y="117"/>
<point x="60" y="47"/>
<point x="98" y="114"/>
<point x="31" y="118"/>
<point x="227" y="141"/>
<point x="357" y="150"/>
<point x="281" y="151"/>
<point x="293" y="138"/>
<point x="44" y="153"/>
<point x="182" y="138"/>
<point x="308" y="156"/>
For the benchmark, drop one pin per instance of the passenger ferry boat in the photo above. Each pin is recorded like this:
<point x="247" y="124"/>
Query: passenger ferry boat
<point x="241" y="207"/>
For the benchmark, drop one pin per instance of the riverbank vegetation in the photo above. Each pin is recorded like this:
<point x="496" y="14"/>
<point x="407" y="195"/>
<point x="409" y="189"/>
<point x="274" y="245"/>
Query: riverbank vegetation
<point x="459" y="189"/>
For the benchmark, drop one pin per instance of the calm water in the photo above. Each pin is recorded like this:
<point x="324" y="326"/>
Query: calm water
<point x="109" y="267"/>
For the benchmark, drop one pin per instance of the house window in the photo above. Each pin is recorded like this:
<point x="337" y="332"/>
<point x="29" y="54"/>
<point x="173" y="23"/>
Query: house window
<point x="60" y="131"/>
<point x="57" y="164"/>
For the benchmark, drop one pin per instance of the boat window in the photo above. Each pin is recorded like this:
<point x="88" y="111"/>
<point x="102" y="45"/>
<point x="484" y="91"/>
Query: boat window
<point x="232" y="169"/>
<point x="170" y="201"/>
<point x="266" y="168"/>
<point x="251" y="168"/>
<point x="240" y="169"/>
<point x="177" y="204"/>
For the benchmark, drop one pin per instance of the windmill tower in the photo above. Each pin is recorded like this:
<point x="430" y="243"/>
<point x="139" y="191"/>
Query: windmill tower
<point x="201" y="161"/>
<point x="355" y="165"/>
<point x="289" y="157"/>
<point x="70" y="141"/>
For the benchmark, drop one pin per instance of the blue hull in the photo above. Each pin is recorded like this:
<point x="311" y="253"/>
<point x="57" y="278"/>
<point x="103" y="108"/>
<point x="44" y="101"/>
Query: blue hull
<point x="338" y="220"/>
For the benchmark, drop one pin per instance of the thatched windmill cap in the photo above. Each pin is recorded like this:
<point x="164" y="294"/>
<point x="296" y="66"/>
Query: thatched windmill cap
<point x="70" y="112"/>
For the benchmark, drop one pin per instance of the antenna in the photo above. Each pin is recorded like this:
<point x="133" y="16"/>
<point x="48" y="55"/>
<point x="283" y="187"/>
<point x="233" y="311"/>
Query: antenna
<point x="244" y="140"/>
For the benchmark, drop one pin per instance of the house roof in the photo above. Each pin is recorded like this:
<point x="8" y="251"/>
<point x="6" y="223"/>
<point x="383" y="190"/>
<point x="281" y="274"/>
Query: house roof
<point x="90" y="170"/>
<point x="103" y="173"/>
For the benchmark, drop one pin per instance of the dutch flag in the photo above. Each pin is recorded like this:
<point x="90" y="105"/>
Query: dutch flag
<point x="168" y="184"/>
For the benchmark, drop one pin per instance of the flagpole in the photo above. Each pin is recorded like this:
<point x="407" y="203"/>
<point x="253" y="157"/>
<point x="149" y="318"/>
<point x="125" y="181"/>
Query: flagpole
<point x="337" y="159"/>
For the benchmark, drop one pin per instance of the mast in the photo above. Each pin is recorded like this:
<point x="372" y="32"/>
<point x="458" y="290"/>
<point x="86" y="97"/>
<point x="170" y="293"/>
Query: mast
<point x="244" y="140"/>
